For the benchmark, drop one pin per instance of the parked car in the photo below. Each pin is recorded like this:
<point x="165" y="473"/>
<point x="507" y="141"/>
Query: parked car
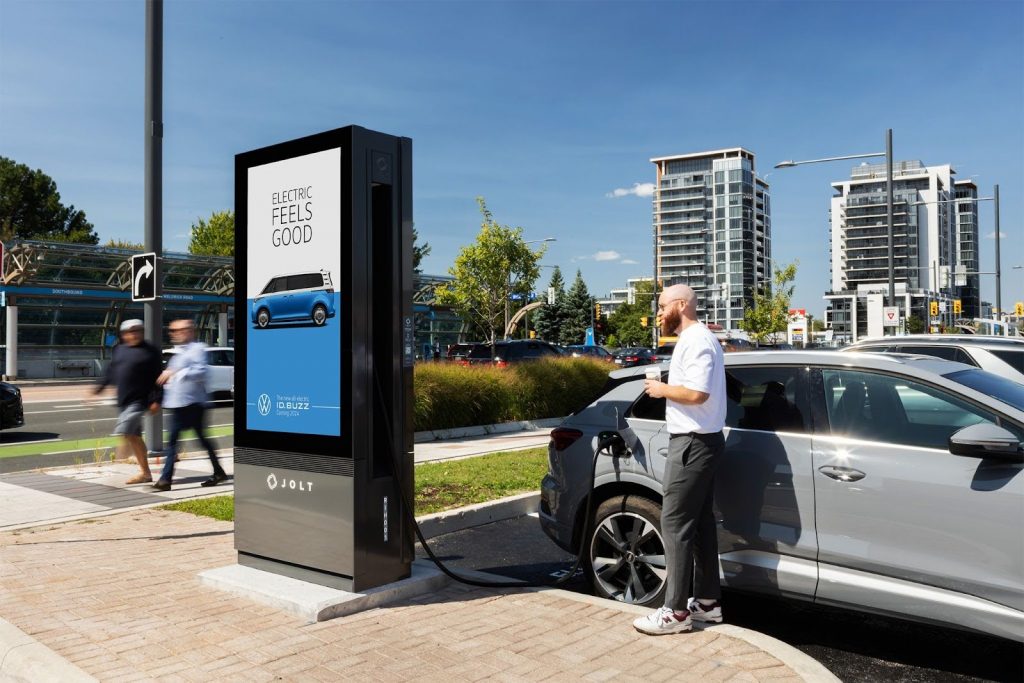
<point x="630" y="357"/>
<point x="1001" y="355"/>
<point x="598" y="352"/>
<point x="664" y="352"/>
<point x="293" y="298"/>
<point x="12" y="410"/>
<point x="220" y="380"/>
<point x="512" y="351"/>
<point x="891" y="485"/>
<point x="460" y="350"/>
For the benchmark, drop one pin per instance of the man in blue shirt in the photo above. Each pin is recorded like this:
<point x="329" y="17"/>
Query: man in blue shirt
<point x="184" y="384"/>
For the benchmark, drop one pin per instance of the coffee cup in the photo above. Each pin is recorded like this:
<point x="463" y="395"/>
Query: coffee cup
<point x="653" y="372"/>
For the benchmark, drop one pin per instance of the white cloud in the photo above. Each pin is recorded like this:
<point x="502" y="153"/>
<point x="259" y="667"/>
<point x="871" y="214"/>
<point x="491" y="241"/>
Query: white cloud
<point x="638" y="189"/>
<point x="606" y="256"/>
<point x="992" y="235"/>
<point x="628" y="262"/>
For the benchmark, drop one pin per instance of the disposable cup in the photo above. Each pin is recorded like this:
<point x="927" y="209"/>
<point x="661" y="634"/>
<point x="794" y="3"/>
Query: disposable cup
<point x="653" y="372"/>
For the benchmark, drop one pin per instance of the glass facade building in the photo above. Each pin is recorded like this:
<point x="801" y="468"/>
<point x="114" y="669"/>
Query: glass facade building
<point x="712" y="230"/>
<point x="967" y="249"/>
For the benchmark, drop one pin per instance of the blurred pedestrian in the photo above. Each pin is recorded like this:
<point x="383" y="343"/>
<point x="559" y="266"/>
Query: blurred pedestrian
<point x="695" y="416"/>
<point x="133" y="369"/>
<point x="184" y="384"/>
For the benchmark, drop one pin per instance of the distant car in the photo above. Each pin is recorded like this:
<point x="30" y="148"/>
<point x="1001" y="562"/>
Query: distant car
<point x="295" y="298"/>
<point x="1000" y="355"/>
<point x="460" y="350"/>
<point x="885" y="483"/>
<point x="664" y="352"/>
<point x="12" y="411"/>
<point x="598" y="352"/>
<point x="627" y="358"/>
<point x="511" y="351"/>
<point x="220" y="380"/>
<point x="774" y="346"/>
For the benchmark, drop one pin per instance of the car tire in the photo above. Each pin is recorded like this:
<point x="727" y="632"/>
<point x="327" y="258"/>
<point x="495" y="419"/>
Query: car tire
<point x="626" y="552"/>
<point x="263" y="318"/>
<point x="319" y="315"/>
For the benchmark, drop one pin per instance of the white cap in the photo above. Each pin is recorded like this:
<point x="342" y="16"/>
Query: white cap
<point x="132" y="324"/>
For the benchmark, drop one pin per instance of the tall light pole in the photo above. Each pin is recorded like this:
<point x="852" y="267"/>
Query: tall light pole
<point x="508" y="282"/>
<point x="888" y="197"/>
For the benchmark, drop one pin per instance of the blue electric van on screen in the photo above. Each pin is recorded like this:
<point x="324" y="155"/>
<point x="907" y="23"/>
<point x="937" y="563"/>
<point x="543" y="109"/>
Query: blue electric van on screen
<point x="295" y="298"/>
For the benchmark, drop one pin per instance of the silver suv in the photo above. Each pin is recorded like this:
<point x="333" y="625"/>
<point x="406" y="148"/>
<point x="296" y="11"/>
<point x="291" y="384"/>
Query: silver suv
<point x="1002" y="355"/>
<point x="885" y="483"/>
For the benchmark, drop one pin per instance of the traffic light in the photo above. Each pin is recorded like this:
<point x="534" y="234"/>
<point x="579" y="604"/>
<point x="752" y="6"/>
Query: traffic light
<point x="533" y="334"/>
<point x="643" y="321"/>
<point x="1018" y="308"/>
<point x="597" y="309"/>
<point x="934" y="307"/>
<point x="957" y="308"/>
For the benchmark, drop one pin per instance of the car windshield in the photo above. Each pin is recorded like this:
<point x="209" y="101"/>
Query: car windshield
<point x="999" y="388"/>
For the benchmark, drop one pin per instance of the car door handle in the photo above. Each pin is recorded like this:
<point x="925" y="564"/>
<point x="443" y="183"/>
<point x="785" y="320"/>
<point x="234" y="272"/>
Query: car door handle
<point x="842" y="473"/>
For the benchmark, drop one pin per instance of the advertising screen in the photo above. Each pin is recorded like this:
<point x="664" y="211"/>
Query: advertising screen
<point x="293" y="282"/>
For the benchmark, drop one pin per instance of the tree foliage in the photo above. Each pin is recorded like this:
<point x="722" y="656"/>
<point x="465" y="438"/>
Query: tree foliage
<point x="770" y="312"/>
<point x="215" y="237"/>
<point x="577" y="312"/>
<point x="625" y="323"/>
<point x="30" y="208"/>
<point x="419" y="251"/>
<point x="488" y="273"/>
<point x="914" y="325"/>
<point x="125" y="244"/>
<point x="548" y="322"/>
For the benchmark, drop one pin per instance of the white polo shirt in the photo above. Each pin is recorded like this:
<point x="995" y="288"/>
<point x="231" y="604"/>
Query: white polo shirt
<point x="698" y="364"/>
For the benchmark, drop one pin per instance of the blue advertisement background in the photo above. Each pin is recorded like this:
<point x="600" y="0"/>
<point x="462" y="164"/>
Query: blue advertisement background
<point x="291" y="362"/>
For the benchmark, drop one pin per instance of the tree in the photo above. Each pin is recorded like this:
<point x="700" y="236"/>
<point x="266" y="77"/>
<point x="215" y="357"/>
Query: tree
<point x="419" y="252"/>
<point x="548" y="322"/>
<point x="576" y="312"/>
<point x="625" y="323"/>
<point x="914" y="325"/>
<point x="770" y="312"/>
<point x="215" y="237"/>
<point x="30" y="208"/>
<point x="488" y="273"/>
<point x="125" y="244"/>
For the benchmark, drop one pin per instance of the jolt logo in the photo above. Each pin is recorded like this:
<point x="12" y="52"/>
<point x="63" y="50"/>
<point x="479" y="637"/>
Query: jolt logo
<point x="263" y="404"/>
<point x="290" y="484"/>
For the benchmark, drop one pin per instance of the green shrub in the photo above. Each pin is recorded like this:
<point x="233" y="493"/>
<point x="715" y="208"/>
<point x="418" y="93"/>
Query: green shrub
<point x="450" y="395"/>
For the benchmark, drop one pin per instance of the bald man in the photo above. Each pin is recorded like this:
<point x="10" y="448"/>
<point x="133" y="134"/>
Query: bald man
<point x="695" y="415"/>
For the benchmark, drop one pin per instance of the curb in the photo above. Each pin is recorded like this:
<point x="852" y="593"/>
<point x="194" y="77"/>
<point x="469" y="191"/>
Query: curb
<point x="23" y="658"/>
<point x="484" y="430"/>
<point x="470" y="516"/>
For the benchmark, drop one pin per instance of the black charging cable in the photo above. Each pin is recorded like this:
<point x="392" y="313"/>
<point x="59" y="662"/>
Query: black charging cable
<point x="605" y="440"/>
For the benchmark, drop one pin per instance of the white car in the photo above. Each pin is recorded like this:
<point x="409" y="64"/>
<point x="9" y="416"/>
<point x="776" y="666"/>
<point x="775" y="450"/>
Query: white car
<point x="220" y="381"/>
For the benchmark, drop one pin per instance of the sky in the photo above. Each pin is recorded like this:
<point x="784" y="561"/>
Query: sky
<point x="551" y="111"/>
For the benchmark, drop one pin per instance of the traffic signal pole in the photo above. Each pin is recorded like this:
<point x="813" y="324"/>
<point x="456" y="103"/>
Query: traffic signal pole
<point x="154" y="133"/>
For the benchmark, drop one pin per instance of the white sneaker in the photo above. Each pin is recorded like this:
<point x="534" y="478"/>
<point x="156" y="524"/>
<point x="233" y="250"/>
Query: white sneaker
<point x="707" y="613"/>
<point x="662" y="621"/>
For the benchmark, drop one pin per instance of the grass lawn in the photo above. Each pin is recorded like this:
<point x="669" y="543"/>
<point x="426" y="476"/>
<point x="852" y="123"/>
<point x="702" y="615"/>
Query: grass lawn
<point x="439" y="485"/>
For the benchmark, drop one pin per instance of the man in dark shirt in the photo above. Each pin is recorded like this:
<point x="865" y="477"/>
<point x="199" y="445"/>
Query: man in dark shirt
<point x="133" y="369"/>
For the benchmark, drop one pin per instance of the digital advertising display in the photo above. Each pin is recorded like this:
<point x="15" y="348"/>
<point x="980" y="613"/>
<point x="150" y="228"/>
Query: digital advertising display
<point x="293" y="284"/>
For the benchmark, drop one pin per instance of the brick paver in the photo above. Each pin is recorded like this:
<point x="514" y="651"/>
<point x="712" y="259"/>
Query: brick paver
<point x="118" y="596"/>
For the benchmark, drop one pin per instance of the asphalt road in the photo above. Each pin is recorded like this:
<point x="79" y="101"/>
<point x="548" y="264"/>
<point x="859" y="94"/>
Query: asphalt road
<point x="854" y="646"/>
<point x="77" y="415"/>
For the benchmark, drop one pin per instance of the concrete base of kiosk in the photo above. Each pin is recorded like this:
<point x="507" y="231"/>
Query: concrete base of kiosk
<point x="313" y="602"/>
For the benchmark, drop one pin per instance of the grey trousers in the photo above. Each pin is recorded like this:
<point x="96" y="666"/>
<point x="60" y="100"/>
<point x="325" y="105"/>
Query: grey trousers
<point x="688" y="518"/>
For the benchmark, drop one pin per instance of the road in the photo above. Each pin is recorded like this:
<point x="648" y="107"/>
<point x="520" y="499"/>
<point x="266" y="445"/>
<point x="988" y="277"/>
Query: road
<point x="71" y="414"/>
<point x="853" y="645"/>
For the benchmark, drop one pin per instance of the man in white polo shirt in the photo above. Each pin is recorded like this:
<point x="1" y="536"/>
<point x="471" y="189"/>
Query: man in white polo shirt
<point x="695" y="415"/>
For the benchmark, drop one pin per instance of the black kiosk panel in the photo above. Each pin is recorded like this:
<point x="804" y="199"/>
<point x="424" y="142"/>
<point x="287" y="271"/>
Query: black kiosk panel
<point x="323" y="431"/>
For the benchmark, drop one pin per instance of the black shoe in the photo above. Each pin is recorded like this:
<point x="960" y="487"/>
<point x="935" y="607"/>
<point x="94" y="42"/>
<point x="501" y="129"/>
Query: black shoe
<point x="215" y="479"/>
<point x="161" y="485"/>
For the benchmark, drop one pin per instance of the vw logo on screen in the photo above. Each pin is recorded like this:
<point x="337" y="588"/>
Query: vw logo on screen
<point x="263" y="404"/>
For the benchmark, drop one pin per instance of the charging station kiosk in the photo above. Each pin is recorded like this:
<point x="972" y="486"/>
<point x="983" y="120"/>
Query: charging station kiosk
<point x="324" y="353"/>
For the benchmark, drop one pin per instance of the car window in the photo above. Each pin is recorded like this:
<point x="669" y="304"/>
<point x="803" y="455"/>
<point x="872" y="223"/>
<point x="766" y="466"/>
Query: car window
<point x="220" y="357"/>
<point x="1013" y="358"/>
<point x="1009" y="392"/>
<point x="482" y="351"/>
<point x="275" y="285"/>
<point x="946" y="352"/>
<point x="771" y="399"/>
<point x="648" y="408"/>
<point x="875" y="407"/>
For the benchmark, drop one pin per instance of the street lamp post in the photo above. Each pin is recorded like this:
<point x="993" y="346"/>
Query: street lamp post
<point x="888" y="196"/>
<point x="508" y="282"/>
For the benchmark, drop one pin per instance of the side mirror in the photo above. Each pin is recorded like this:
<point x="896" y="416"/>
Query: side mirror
<point x="986" y="440"/>
<point x="611" y="443"/>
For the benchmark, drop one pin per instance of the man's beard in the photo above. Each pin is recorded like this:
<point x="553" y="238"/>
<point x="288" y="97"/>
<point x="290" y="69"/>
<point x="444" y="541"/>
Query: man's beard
<point x="670" y="321"/>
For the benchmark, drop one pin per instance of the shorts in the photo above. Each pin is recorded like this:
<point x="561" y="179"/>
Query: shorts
<point x="129" y="421"/>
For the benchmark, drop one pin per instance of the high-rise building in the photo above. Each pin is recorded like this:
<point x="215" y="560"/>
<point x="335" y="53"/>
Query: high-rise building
<point x="924" y="247"/>
<point x="712" y="230"/>
<point x="967" y="261"/>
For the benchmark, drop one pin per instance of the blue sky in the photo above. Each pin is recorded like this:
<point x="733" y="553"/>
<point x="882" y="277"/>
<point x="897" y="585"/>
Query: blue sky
<point x="544" y="108"/>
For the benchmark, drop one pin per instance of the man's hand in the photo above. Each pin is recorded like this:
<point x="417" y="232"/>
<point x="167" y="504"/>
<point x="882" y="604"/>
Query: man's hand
<point x="655" y="389"/>
<point x="164" y="377"/>
<point x="154" y="408"/>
